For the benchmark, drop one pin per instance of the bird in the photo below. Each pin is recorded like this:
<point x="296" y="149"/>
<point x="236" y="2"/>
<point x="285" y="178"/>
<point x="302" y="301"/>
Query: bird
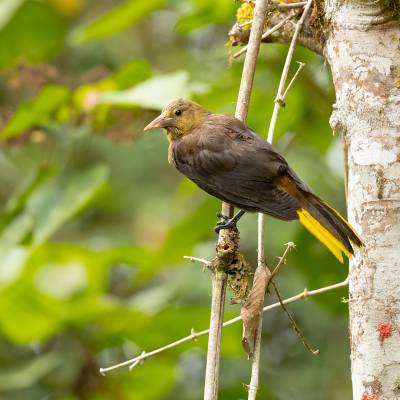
<point x="231" y="162"/>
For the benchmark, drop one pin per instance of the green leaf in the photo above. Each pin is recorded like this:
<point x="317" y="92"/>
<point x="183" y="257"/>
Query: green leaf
<point x="35" y="32"/>
<point x="145" y="386"/>
<point x="57" y="200"/>
<point x="62" y="280"/>
<point x="154" y="93"/>
<point x="7" y="9"/>
<point x="17" y="230"/>
<point x="38" y="112"/>
<point x="12" y="263"/>
<point x="128" y="75"/>
<point x="17" y="201"/>
<point x="131" y="73"/>
<point x="22" y="308"/>
<point x="206" y="12"/>
<point x="118" y="19"/>
<point x="15" y="223"/>
<point x="51" y="204"/>
<point x="72" y="265"/>
<point x="28" y="373"/>
<point x="62" y="285"/>
<point x="181" y="239"/>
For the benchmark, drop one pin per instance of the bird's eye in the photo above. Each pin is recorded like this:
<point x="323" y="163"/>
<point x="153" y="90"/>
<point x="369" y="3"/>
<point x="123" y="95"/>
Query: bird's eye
<point x="178" y="112"/>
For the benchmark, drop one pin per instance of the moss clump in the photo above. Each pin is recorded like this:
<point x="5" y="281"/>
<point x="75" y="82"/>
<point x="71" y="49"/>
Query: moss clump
<point x="238" y="279"/>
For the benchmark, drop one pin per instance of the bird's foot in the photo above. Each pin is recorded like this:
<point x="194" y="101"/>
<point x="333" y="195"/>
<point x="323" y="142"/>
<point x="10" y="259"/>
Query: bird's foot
<point x="227" y="223"/>
<point x="222" y="216"/>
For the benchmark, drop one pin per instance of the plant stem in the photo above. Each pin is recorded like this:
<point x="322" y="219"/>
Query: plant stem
<point x="219" y="280"/>
<point x="266" y="33"/>
<point x="285" y="71"/>
<point x="255" y="367"/>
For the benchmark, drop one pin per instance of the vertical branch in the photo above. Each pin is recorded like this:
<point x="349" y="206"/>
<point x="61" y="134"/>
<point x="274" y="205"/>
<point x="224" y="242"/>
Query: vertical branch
<point x="219" y="277"/>
<point x="261" y="265"/>
<point x="279" y="101"/>
<point x="255" y="366"/>
<point x="253" y="387"/>
<point x="250" y="61"/>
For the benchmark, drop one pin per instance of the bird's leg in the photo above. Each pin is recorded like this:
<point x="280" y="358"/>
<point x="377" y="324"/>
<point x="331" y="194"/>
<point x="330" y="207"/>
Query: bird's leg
<point x="227" y="222"/>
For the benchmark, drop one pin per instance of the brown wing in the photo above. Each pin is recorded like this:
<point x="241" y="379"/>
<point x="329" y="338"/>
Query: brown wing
<point x="232" y="163"/>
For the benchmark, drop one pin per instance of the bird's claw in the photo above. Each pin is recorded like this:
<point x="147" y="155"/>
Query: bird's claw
<point x="222" y="216"/>
<point x="227" y="223"/>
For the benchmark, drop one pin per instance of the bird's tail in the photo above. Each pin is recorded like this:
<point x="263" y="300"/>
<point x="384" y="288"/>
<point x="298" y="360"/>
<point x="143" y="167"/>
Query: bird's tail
<point x="328" y="226"/>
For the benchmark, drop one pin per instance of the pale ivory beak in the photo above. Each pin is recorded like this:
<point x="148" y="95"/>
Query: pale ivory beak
<point x="160" y="122"/>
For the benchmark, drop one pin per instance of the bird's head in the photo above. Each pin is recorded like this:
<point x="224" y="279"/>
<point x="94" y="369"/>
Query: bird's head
<point x="179" y="118"/>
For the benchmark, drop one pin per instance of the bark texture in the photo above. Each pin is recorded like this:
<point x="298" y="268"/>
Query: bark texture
<point x="363" y="50"/>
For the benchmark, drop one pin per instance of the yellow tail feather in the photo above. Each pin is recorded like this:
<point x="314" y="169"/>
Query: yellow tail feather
<point x="322" y="234"/>
<point x="348" y="225"/>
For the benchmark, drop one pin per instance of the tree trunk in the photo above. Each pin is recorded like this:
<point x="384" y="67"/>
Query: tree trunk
<point x="363" y="49"/>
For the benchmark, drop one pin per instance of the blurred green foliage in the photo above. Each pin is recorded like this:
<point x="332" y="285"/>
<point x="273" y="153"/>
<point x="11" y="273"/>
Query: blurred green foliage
<point x="38" y="112"/>
<point x="95" y="223"/>
<point x="34" y="31"/>
<point x="119" y="18"/>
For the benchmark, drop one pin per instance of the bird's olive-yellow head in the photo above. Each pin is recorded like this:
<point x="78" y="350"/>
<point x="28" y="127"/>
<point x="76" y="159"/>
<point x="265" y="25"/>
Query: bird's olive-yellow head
<point x="179" y="118"/>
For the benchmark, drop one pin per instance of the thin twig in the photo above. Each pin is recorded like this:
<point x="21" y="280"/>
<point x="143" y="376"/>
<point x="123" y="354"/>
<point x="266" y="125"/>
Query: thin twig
<point x="285" y="70"/>
<point x="294" y="324"/>
<point x="282" y="259"/>
<point x="300" y="67"/>
<point x="247" y="23"/>
<point x="253" y="386"/>
<point x="134" y="365"/>
<point x="256" y="359"/>
<point x="219" y="281"/>
<point x="250" y="62"/>
<point x="284" y="5"/>
<point x="255" y="368"/>
<point x="200" y="260"/>
<point x="137" y="362"/>
<point x="194" y="335"/>
<point x="266" y="34"/>
<point x="292" y="5"/>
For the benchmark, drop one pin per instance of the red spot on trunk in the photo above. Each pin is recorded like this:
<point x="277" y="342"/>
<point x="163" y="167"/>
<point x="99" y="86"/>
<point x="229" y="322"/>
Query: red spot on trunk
<point x="385" y="330"/>
<point x="367" y="396"/>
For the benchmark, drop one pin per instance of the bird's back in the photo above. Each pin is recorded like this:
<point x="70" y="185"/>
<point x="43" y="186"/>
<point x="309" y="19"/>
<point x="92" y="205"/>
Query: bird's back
<point x="229" y="161"/>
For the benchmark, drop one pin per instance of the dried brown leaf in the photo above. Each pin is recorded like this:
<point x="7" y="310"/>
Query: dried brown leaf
<point x="252" y="308"/>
